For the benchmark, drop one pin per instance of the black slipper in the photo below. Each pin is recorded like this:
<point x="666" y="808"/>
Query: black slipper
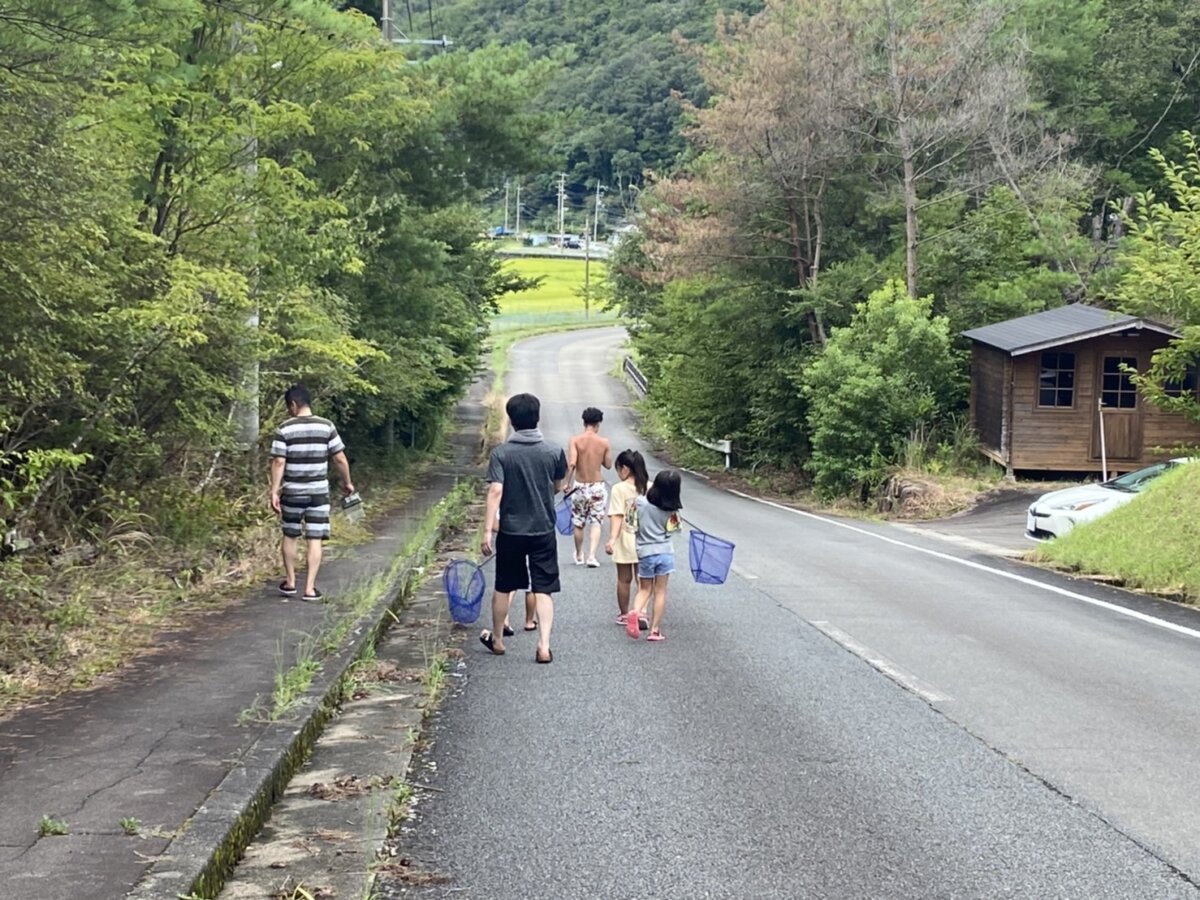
<point x="508" y="632"/>
<point x="532" y="627"/>
<point x="549" y="657"/>
<point x="489" y="640"/>
<point x="287" y="591"/>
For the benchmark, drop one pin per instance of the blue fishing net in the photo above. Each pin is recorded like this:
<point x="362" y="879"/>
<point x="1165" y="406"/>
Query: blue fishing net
<point x="562" y="517"/>
<point x="464" y="584"/>
<point x="709" y="557"/>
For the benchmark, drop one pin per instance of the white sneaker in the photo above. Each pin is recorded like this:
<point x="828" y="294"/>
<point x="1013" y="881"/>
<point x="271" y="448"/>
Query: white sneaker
<point x="579" y="560"/>
<point x="593" y="563"/>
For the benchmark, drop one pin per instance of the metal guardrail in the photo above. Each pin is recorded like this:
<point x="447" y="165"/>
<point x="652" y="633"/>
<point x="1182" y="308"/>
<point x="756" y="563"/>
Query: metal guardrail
<point x="641" y="385"/>
<point x="635" y="375"/>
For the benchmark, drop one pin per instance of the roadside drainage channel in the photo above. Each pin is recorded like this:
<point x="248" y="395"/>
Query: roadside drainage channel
<point x="325" y="835"/>
<point x="198" y="861"/>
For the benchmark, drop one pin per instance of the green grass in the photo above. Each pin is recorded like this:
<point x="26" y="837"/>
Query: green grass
<point x="50" y="827"/>
<point x="1149" y="544"/>
<point x="557" y="300"/>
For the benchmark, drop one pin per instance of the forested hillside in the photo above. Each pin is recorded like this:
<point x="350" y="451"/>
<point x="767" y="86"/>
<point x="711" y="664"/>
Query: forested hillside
<point x="617" y="94"/>
<point x="867" y="179"/>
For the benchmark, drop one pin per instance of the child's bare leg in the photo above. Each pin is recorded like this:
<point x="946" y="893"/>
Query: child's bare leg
<point x="594" y="541"/>
<point x="530" y="610"/>
<point x="645" y="585"/>
<point x="660" y="601"/>
<point x="624" y="586"/>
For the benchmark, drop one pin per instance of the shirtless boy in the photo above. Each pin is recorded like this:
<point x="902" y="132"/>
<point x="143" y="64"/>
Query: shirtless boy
<point x="587" y="454"/>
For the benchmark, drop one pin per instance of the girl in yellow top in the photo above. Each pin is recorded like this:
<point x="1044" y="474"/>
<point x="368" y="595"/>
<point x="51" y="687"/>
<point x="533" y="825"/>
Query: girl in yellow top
<point x="622" y="525"/>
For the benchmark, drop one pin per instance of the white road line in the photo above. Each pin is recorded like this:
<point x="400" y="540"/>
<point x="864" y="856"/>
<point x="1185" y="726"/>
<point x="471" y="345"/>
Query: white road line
<point x="969" y="543"/>
<point x="971" y="564"/>
<point x="738" y="570"/>
<point x="905" y="679"/>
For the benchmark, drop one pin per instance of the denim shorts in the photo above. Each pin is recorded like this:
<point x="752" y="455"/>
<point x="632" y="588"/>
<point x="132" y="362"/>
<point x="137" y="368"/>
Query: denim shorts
<point x="658" y="564"/>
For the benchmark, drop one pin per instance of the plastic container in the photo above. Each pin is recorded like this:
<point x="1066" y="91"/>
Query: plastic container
<point x="352" y="507"/>
<point x="464" y="584"/>
<point x="709" y="557"/>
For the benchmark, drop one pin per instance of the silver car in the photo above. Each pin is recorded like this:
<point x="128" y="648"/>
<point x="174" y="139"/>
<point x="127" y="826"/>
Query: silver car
<point x="1054" y="514"/>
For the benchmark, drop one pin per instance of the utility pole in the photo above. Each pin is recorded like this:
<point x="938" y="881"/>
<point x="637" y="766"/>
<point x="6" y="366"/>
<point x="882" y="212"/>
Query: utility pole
<point x="596" y="220"/>
<point x="244" y="413"/>
<point x="518" y="207"/>
<point x="385" y="20"/>
<point x="587" y="283"/>
<point x="505" y="206"/>
<point x="562" y="186"/>
<point x="388" y="27"/>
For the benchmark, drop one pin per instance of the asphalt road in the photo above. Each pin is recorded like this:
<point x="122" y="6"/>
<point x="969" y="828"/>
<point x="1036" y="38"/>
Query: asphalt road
<point x="860" y="712"/>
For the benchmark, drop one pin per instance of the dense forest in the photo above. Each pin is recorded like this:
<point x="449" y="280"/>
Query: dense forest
<point x="870" y="178"/>
<point x="207" y="200"/>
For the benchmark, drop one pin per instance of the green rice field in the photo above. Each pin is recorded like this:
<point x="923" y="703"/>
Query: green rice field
<point x="558" y="300"/>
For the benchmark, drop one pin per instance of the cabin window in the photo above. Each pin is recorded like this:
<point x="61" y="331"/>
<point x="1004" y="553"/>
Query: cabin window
<point x="1186" y="387"/>
<point x="1056" y="384"/>
<point x="1118" y="390"/>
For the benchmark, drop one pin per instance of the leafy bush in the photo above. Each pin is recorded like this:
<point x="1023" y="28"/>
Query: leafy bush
<point x="876" y="381"/>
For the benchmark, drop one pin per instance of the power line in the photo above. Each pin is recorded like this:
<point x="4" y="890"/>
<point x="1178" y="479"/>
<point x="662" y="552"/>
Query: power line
<point x="278" y="23"/>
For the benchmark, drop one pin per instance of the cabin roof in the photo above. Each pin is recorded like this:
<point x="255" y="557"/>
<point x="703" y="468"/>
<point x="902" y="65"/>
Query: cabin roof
<point x="1054" y="327"/>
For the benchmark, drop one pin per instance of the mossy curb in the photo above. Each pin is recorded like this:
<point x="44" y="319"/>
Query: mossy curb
<point x="198" y="861"/>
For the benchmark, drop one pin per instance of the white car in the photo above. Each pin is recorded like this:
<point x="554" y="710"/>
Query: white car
<point x="1053" y="515"/>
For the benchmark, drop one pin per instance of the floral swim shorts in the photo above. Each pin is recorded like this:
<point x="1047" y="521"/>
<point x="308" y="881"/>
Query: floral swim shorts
<point x="589" y="503"/>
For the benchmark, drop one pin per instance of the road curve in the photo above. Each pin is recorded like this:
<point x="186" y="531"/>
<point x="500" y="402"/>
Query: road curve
<point x="860" y="712"/>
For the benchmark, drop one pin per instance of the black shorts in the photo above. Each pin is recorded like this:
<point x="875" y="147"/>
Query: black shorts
<point x="527" y="562"/>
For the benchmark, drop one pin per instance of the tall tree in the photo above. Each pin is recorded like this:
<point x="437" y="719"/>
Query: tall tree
<point x="1162" y="256"/>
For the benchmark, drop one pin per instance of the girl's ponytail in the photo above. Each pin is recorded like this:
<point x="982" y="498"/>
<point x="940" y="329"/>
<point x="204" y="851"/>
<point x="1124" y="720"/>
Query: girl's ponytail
<point x="636" y="464"/>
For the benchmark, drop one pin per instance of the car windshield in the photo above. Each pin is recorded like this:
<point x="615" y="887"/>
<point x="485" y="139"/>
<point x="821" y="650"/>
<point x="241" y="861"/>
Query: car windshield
<point x="1134" y="482"/>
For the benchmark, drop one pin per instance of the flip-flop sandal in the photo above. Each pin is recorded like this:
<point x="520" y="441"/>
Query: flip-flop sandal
<point x="287" y="591"/>
<point x="545" y="662"/>
<point x="533" y="627"/>
<point x="314" y="597"/>
<point x="508" y="632"/>
<point x="489" y="640"/>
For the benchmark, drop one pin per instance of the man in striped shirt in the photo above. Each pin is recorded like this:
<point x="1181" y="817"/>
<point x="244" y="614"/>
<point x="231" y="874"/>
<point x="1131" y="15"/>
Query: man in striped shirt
<point x="300" y="454"/>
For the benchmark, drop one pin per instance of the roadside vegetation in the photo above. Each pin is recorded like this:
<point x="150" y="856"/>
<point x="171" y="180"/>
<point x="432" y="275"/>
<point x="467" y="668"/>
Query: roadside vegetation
<point x="1149" y="544"/>
<point x="800" y="283"/>
<point x="206" y="202"/>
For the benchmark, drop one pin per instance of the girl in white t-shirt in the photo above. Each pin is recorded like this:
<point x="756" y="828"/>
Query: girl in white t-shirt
<point x="621" y="546"/>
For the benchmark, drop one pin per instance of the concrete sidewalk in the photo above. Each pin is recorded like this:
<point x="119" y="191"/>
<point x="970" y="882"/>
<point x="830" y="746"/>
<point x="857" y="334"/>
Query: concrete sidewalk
<point x="162" y="742"/>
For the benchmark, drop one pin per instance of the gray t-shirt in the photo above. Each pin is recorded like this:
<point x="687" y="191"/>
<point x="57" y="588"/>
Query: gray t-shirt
<point x="528" y="472"/>
<point x="654" y="528"/>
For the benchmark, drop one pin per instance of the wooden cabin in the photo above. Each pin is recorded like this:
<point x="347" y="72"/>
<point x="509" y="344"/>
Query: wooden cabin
<point x="1038" y="384"/>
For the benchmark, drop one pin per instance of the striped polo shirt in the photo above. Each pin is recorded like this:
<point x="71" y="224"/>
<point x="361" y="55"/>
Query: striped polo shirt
<point x="306" y="442"/>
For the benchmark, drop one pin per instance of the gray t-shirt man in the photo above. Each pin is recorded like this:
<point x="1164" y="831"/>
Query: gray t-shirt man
<point x="528" y="471"/>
